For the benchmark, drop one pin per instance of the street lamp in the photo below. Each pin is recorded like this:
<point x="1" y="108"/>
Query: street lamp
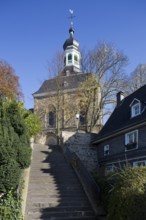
<point x="77" y="120"/>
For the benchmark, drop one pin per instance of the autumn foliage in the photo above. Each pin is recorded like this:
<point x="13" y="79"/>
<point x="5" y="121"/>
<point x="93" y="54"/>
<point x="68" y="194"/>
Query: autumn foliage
<point x="9" y="81"/>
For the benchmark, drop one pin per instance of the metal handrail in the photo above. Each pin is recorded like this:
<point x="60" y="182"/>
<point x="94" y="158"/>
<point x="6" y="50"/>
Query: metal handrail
<point x="91" y="188"/>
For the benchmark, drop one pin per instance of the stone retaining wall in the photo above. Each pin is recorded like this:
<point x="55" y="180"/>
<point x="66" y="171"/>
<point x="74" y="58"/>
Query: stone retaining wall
<point x="80" y="143"/>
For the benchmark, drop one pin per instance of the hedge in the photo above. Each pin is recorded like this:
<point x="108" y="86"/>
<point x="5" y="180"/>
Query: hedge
<point x="128" y="198"/>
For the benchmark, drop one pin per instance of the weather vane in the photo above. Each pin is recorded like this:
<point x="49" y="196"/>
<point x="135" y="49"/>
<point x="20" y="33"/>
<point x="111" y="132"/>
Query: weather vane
<point x="71" y="17"/>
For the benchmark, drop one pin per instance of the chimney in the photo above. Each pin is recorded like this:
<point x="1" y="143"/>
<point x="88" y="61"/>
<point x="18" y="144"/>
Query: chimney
<point x="120" y="97"/>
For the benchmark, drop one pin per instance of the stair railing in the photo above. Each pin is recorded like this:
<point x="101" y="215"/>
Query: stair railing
<point x="89" y="185"/>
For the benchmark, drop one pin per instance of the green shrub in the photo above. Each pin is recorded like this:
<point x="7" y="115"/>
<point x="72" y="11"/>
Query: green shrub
<point x="20" y="139"/>
<point x="16" y="119"/>
<point x="105" y="184"/>
<point x="6" y="153"/>
<point x="128" y="199"/>
<point x="33" y="124"/>
<point x="21" y="146"/>
<point x="10" y="207"/>
<point x="6" y="130"/>
<point x="24" y="156"/>
<point x="10" y="173"/>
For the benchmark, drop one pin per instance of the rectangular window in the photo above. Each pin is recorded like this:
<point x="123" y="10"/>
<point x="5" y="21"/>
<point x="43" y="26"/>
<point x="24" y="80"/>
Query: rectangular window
<point x="106" y="150"/>
<point x="139" y="163"/>
<point x="131" y="140"/>
<point x="109" y="169"/>
<point x="135" y="110"/>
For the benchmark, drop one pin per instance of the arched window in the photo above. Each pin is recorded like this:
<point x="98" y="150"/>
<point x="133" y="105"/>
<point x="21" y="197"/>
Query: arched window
<point x="70" y="58"/>
<point x="52" y="117"/>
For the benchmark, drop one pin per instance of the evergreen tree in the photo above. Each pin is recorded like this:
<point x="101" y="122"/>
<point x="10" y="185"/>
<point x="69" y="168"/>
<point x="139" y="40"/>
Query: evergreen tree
<point x="15" y="150"/>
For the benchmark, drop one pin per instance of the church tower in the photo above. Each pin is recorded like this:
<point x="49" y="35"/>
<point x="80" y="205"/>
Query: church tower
<point x="56" y="101"/>
<point x="72" y="55"/>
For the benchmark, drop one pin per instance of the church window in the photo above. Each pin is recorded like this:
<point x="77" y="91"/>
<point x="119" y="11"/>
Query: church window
<point x="70" y="58"/>
<point x="76" y="59"/>
<point x="52" y="117"/>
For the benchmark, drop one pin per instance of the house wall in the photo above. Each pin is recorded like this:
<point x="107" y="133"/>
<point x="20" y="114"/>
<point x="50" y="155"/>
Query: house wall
<point x="116" y="146"/>
<point x="142" y="137"/>
<point x="117" y="153"/>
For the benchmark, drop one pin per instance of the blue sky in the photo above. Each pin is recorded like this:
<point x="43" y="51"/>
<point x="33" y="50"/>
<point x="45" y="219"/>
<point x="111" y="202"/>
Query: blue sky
<point x="32" y="31"/>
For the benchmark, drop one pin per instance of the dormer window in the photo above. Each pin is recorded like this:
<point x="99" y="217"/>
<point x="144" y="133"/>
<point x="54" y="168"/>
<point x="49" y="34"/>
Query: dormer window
<point x="135" y="108"/>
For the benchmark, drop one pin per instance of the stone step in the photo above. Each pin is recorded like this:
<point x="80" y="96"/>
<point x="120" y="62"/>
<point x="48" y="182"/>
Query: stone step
<point x="58" y="215"/>
<point x="47" y="188"/>
<point x="65" y="218"/>
<point x="54" y="199"/>
<point x="56" y="204"/>
<point x="61" y="209"/>
<point x="54" y="191"/>
<point x="59" y="181"/>
<point x="62" y="186"/>
<point x="57" y="194"/>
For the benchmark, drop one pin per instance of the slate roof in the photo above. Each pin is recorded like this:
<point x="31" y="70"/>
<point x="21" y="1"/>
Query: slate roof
<point x="121" y="117"/>
<point x="66" y="82"/>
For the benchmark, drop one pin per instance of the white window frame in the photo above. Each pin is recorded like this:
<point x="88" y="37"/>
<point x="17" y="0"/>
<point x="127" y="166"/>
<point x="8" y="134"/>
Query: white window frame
<point x="109" y="169"/>
<point x="70" y="56"/>
<point x="136" y="163"/>
<point x="135" y="110"/>
<point x="106" y="150"/>
<point x="134" y="139"/>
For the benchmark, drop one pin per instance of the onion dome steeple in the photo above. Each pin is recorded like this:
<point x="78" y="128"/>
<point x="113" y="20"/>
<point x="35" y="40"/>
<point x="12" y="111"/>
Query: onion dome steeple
<point x="72" y="54"/>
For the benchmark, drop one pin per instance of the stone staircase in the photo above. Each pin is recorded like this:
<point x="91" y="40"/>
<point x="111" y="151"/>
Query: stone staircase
<point x="54" y="191"/>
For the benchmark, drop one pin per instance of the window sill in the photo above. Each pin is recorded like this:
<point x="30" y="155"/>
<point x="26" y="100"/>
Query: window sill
<point x="135" y="115"/>
<point x="129" y="147"/>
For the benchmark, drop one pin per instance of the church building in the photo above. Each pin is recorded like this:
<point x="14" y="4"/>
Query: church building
<point x="56" y="101"/>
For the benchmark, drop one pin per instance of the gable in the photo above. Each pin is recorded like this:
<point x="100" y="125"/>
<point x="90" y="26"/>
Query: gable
<point x="135" y="101"/>
<point x="121" y="119"/>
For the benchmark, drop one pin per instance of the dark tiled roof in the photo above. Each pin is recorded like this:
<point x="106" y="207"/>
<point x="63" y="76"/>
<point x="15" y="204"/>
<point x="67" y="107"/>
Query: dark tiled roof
<point x="70" y="42"/>
<point x="121" y="116"/>
<point x="65" y="82"/>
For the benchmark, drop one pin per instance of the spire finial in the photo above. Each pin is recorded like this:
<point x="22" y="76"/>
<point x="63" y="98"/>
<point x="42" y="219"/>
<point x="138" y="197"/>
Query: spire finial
<point x="71" y="17"/>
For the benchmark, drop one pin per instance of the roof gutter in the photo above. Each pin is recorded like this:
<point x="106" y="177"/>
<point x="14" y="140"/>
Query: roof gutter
<point x="121" y="131"/>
